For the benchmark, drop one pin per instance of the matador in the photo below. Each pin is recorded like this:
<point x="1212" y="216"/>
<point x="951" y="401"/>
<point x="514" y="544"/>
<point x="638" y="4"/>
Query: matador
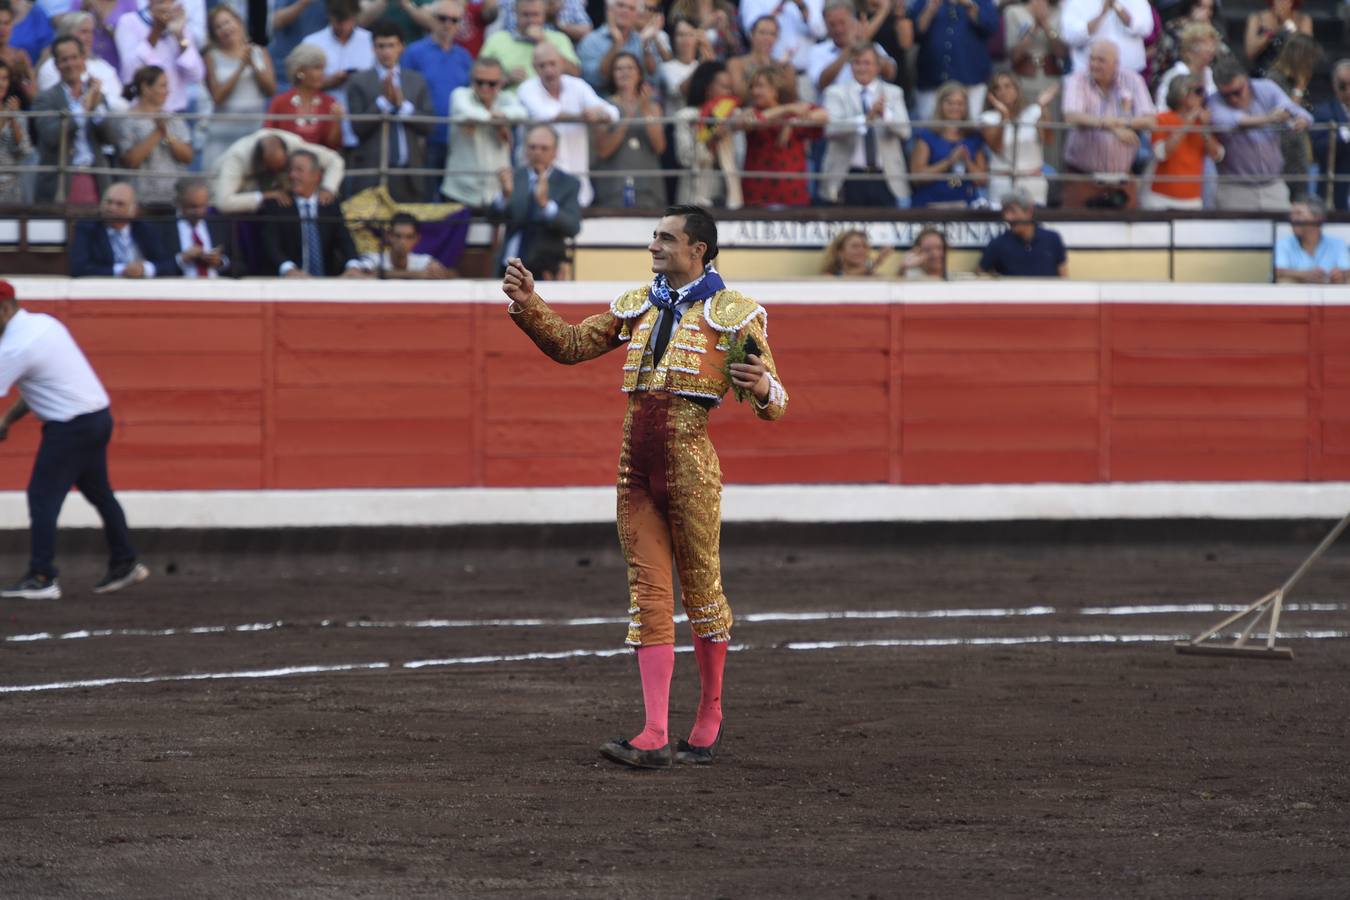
<point x="684" y="335"/>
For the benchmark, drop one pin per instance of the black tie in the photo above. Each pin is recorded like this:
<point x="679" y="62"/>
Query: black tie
<point x="870" y="138"/>
<point x="663" y="330"/>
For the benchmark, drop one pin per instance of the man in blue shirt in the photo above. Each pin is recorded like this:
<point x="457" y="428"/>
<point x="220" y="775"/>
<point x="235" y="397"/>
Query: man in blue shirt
<point x="1025" y="250"/>
<point x="620" y="34"/>
<point x="952" y="36"/>
<point x="445" y="65"/>
<point x="1308" y="256"/>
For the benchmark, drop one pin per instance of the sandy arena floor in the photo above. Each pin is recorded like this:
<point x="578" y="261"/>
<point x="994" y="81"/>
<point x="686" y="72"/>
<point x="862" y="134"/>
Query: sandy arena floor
<point x="909" y="714"/>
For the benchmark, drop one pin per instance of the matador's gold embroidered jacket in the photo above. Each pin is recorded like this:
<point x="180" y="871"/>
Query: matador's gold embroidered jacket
<point x="695" y="360"/>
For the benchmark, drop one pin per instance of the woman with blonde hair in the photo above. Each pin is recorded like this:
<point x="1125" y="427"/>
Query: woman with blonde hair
<point x="240" y="79"/>
<point x="1016" y="137"/>
<point x="306" y="99"/>
<point x="1199" y="42"/>
<point x="949" y="162"/>
<point x="849" y="255"/>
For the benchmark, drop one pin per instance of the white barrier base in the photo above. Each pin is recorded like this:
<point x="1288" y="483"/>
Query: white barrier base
<point x="741" y="503"/>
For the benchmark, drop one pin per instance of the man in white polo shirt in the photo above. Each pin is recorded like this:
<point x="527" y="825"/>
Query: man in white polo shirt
<point x="59" y="386"/>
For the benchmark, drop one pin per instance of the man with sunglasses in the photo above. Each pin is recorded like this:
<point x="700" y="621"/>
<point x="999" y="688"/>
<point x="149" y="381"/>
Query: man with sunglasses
<point x="1250" y="114"/>
<point x="445" y="66"/>
<point x="480" y="142"/>
<point x="1336" y="113"/>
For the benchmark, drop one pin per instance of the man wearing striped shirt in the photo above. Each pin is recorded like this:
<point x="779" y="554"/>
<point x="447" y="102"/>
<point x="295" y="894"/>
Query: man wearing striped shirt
<point x="1107" y="106"/>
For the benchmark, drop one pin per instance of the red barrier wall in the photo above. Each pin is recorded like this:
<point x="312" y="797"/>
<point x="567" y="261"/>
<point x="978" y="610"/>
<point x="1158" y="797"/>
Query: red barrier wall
<point x="212" y="395"/>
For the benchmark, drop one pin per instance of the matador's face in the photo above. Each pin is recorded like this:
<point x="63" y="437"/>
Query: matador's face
<point x="672" y="253"/>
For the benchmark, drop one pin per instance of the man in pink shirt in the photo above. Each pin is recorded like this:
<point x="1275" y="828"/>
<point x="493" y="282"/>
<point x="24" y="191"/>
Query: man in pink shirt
<point x="1107" y="105"/>
<point x="158" y="36"/>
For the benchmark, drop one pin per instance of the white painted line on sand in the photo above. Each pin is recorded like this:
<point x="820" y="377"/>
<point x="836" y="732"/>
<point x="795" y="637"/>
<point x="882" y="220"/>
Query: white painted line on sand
<point x="291" y="671"/>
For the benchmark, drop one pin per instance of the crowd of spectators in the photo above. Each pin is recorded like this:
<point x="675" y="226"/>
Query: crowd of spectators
<point x="1105" y="104"/>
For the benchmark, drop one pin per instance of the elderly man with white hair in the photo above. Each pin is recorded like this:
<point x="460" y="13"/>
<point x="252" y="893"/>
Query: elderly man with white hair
<point x="1107" y="104"/>
<point x="572" y="105"/>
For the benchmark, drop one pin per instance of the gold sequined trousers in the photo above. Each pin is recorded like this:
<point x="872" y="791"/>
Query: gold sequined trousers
<point x="670" y="510"/>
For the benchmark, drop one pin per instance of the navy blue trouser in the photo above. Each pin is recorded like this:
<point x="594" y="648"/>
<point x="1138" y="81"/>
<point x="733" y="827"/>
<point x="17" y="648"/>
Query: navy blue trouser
<point x="74" y="453"/>
<point x="872" y="191"/>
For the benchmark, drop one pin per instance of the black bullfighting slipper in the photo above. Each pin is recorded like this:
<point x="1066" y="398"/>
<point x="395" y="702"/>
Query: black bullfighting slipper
<point x="624" y="753"/>
<point x="689" y="755"/>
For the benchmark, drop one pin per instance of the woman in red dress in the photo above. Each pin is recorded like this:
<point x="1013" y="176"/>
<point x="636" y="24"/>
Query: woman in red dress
<point x="304" y="69"/>
<point x="778" y="134"/>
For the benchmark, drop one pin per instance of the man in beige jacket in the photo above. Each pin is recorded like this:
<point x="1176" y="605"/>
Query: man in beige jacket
<point x="253" y="169"/>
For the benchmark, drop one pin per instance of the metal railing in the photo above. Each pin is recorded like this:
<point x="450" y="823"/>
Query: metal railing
<point x="1326" y="177"/>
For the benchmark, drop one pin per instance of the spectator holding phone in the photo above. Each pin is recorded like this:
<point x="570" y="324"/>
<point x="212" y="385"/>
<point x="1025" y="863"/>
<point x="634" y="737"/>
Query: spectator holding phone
<point x="347" y="49"/>
<point x="200" y="245"/>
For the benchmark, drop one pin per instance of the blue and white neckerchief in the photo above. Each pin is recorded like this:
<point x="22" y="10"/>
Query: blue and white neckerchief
<point x="703" y="287"/>
<point x="672" y="304"/>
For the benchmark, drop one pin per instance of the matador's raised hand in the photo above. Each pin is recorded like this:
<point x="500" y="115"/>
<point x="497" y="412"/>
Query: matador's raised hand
<point x="518" y="284"/>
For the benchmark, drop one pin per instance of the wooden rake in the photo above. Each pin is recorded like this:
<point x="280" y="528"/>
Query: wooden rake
<point x="1271" y="603"/>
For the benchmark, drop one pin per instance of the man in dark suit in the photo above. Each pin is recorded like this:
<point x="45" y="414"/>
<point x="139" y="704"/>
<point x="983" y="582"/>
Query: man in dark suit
<point x="117" y="245"/>
<point x="306" y="237"/>
<point x="81" y="133"/>
<point x="1336" y="112"/>
<point x="541" y="207"/>
<point x="396" y="92"/>
<point x="201" y="247"/>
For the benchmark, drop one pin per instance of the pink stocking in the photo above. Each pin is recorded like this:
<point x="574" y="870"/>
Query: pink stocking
<point x="712" y="658"/>
<point x="656" y="664"/>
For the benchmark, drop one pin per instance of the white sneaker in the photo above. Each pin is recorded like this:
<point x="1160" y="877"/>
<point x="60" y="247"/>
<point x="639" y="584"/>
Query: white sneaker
<point x="33" y="587"/>
<point x="120" y="576"/>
